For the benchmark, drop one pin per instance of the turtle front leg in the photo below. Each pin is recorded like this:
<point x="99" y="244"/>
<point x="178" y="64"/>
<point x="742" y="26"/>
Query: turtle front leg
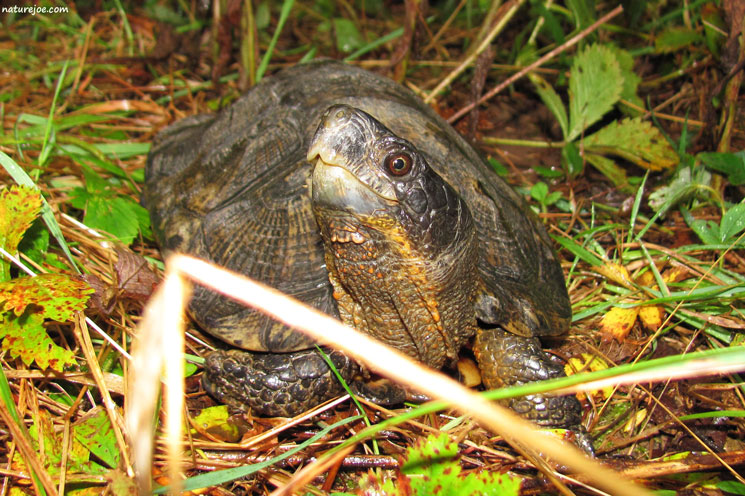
<point x="506" y="359"/>
<point x="275" y="384"/>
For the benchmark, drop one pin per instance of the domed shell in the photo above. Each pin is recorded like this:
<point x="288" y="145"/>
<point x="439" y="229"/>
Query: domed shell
<point x="233" y="188"/>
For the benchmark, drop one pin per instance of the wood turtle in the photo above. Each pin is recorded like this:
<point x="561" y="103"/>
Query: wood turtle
<point x="341" y="188"/>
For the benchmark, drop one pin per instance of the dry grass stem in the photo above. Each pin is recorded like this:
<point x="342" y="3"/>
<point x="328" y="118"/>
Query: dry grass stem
<point x="473" y="55"/>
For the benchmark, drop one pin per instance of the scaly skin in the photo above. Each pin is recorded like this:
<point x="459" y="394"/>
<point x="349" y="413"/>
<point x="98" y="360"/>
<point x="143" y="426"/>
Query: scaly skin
<point x="507" y="360"/>
<point x="282" y="385"/>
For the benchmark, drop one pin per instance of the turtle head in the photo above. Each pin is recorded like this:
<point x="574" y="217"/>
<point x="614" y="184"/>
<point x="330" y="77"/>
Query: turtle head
<point x="399" y="240"/>
<point x="365" y="171"/>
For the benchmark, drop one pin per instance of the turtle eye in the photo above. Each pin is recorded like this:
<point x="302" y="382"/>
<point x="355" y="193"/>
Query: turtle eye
<point x="398" y="164"/>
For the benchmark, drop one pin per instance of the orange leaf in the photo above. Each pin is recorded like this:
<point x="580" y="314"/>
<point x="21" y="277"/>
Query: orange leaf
<point x="618" y="322"/>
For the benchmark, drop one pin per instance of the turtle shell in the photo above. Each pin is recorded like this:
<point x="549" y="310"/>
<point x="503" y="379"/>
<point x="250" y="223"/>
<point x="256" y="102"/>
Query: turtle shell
<point x="233" y="188"/>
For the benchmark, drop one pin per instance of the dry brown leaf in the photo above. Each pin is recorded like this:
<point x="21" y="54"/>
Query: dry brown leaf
<point x="135" y="278"/>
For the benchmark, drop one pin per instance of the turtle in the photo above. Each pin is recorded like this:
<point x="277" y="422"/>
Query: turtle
<point x="341" y="188"/>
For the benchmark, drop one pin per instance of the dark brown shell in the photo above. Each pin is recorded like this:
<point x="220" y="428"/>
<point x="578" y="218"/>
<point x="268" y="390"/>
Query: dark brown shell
<point x="233" y="188"/>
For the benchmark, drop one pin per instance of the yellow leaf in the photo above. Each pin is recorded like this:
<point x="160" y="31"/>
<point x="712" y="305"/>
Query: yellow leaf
<point x="675" y="274"/>
<point x="647" y="279"/>
<point x="635" y="420"/>
<point x="618" y="322"/>
<point x="616" y="273"/>
<point x="651" y="316"/>
<point x="588" y="362"/>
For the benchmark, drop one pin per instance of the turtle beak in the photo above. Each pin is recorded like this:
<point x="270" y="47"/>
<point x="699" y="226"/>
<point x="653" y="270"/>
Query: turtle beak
<point x="342" y="170"/>
<point x="340" y="138"/>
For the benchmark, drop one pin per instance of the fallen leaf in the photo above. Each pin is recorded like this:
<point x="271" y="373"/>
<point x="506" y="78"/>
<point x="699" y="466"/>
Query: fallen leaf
<point x="135" y="278"/>
<point x="588" y="362"/>
<point x="617" y="323"/>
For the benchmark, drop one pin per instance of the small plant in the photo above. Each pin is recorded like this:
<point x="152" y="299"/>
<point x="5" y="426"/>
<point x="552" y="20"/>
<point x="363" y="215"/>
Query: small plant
<point x="600" y="76"/>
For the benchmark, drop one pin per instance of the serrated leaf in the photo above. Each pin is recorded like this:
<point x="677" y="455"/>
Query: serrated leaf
<point x="731" y="164"/>
<point x="117" y="216"/>
<point x="57" y="295"/>
<point x="539" y="191"/>
<point x="19" y="206"/>
<point x="595" y="85"/>
<point x="94" y="431"/>
<point x="631" y="79"/>
<point x="26" y="337"/>
<point x="636" y="141"/>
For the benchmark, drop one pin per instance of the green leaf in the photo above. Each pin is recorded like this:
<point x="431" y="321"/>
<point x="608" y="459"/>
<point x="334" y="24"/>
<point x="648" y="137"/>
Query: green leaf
<point x="78" y="457"/>
<point x="731" y="164"/>
<point x="24" y="336"/>
<point x="35" y="242"/>
<point x="686" y="183"/>
<point x="579" y="251"/>
<point x="498" y="166"/>
<point x="118" y="216"/>
<point x="19" y="206"/>
<point x="631" y="79"/>
<point x="708" y="231"/>
<point x="20" y="176"/>
<point x="595" y="85"/>
<point x="432" y="468"/>
<point x="26" y="302"/>
<point x="676" y="38"/>
<point x="572" y="160"/>
<point x="583" y="11"/>
<point x="634" y="140"/>
<point x="552" y="100"/>
<point x="733" y="222"/>
<point x="348" y="38"/>
<point x="610" y="170"/>
<point x="216" y="421"/>
<point x="539" y="191"/>
<point x="733" y="487"/>
<point x="94" y="431"/>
